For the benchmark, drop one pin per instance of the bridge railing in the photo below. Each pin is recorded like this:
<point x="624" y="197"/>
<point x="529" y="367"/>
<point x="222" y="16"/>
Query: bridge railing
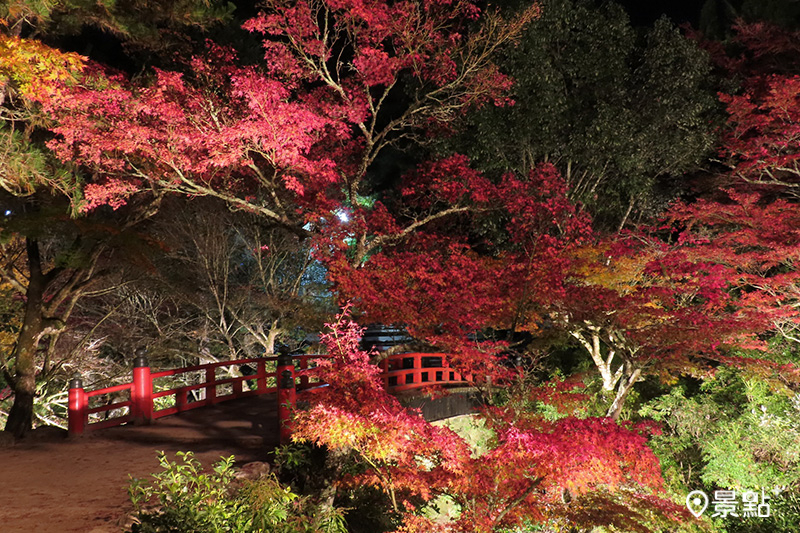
<point x="409" y="371"/>
<point x="144" y="399"/>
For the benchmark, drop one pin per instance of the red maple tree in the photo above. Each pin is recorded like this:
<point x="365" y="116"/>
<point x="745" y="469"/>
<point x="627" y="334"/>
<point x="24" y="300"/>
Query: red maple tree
<point x="763" y="141"/>
<point x="715" y="275"/>
<point x="759" y="143"/>
<point x="494" y="265"/>
<point x="291" y="139"/>
<point x="530" y="473"/>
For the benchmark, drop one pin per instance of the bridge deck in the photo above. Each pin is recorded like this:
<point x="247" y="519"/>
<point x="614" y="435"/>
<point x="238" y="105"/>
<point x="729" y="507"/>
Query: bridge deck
<point x="253" y="422"/>
<point x="55" y="484"/>
<point x="246" y="422"/>
<point x="79" y="485"/>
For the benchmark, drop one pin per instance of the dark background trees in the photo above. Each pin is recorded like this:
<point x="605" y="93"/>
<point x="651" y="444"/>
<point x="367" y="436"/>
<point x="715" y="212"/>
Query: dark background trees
<point x="623" y="112"/>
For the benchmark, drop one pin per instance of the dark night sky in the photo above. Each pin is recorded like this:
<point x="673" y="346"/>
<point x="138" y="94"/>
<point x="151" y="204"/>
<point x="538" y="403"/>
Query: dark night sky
<point x="645" y="12"/>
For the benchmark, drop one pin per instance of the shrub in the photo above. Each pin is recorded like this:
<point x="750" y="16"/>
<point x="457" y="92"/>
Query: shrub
<point x="183" y="498"/>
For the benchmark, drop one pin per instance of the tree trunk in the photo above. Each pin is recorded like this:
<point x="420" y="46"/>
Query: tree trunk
<point x="272" y="336"/>
<point x="20" y="418"/>
<point x="604" y="366"/>
<point x="625" y="386"/>
<point x="627" y="214"/>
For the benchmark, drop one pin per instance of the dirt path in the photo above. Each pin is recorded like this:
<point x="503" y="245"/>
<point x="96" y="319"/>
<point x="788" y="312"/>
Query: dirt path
<point x="60" y="485"/>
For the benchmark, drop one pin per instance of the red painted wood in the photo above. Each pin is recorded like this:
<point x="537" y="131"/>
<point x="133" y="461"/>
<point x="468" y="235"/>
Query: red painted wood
<point x="417" y="377"/>
<point x="142" y="396"/>
<point x="211" y="385"/>
<point x="181" y="399"/>
<point x="261" y="376"/>
<point x="400" y="373"/>
<point x="109" y="407"/>
<point x="303" y="373"/>
<point x="77" y="411"/>
<point x="287" y="397"/>
<point x="109" y="390"/>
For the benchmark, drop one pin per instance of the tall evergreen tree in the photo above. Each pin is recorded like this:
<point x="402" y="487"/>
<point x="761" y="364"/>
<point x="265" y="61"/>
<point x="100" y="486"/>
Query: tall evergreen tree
<point x="619" y="113"/>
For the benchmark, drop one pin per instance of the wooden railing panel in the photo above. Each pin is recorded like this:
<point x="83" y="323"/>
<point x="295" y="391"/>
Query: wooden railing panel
<point x="400" y="373"/>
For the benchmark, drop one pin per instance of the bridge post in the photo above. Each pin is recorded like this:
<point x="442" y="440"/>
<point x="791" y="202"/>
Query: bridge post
<point x="211" y="385"/>
<point x="287" y="397"/>
<point x="181" y="399"/>
<point x="304" y="377"/>
<point x="141" y="392"/>
<point x="261" y="377"/>
<point x="77" y="407"/>
<point x="384" y="366"/>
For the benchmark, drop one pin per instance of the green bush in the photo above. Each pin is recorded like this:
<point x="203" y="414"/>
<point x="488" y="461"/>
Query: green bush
<point x="733" y="431"/>
<point x="182" y="498"/>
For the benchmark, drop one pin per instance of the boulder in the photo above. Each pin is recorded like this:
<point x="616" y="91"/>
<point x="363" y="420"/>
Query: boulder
<point x="253" y="471"/>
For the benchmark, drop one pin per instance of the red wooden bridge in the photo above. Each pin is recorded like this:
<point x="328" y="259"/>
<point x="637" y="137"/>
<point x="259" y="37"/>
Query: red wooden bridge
<point x="153" y="395"/>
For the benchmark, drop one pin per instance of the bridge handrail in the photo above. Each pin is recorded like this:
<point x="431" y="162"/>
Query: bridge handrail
<point x="196" y="368"/>
<point x="418" y="375"/>
<point x="219" y="364"/>
<point x="401" y="372"/>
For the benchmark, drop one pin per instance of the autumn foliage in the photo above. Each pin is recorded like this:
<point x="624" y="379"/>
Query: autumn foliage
<point x="405" y="455"/>
<point x="494" y="262"/>
<point x="292" y="139"/>
<point x="469" y="262"/>
<point x="532" y="471"/>
<point x="764" y="130"/>
<point x="33" y="71"/>
<point x="678" y="297"/>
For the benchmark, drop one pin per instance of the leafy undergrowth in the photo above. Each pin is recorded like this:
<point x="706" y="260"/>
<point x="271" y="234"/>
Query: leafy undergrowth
<point x="183" y="498"/>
